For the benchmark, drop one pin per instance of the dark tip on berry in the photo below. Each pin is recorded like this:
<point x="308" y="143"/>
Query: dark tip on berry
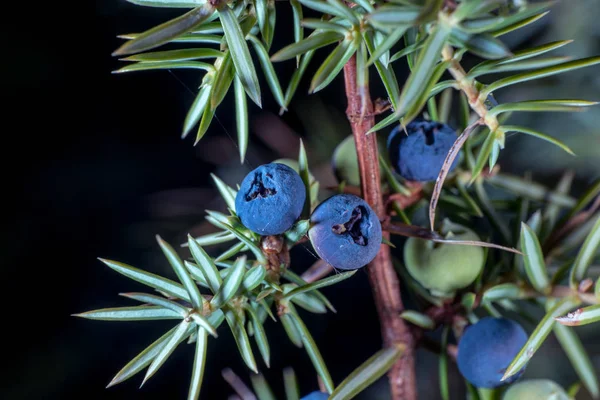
<point x="417" y="151"/>
<point x="353" y="227"/>
<point x="345" y="232"/>
<point x="258" y="188"/>
<point x="270" y="199"/>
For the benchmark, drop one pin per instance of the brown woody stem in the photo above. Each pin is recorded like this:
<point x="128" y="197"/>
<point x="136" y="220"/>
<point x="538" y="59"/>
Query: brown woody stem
<point x="383" y="278"/>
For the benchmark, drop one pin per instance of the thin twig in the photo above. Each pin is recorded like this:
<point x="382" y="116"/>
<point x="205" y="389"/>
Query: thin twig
<point x="383" y="278"/>
<point x="450" y="157"/>
<point x="398" y="228"/>
<point x="318" y="270"/>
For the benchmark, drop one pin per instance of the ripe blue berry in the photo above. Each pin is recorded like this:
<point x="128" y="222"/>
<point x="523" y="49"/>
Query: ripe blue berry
<point x="345" y="231"/>
<point x="270" y="199"/>
<point x="418" y="154"/>
<point x="316" y="396"/>
<point x="487" y="348"/>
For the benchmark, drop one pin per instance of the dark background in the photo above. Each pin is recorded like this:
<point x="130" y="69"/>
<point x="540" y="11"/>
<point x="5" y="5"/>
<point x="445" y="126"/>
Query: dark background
<point x="94" y="166"/>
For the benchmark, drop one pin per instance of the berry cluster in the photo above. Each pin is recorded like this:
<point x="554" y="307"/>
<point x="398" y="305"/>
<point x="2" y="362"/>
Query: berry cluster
<point x="344" y="230"/>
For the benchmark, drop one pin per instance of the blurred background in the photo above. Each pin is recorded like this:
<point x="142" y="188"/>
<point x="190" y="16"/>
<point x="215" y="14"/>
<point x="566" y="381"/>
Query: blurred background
<point x="94" y="167"/>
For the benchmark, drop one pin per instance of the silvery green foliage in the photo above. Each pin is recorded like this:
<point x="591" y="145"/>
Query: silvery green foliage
<point x="230" y="44"/>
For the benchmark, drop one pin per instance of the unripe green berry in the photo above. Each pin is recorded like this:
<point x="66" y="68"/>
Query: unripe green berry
<point x="539" y="389"/>
<point x="444" y="268"/>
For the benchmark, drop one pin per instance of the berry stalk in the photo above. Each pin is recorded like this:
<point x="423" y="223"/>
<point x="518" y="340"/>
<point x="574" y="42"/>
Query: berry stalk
<point x="383" y="278"/>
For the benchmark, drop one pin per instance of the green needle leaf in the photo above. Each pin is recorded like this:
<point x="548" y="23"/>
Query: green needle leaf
<point x="298" y="15"/>
<point x="333" y="64"/>
<point x="165" y="65"/>
<point x="443" y="365"/>
<point x="292" y="277"/>
<point x="168" y="3"/>
<point x="296" y="232"/>
<point x="253" y="277"/>
<point x="231" y="252"/>
<point x="158" y="301"/>
<point x="535" y="267"/>
<point x="313" y="42"/>
<point x="269" y="71"/>
<point x="367" y="373"/>
<point x="309" y="303"/>
<point x="291" y="330"/>
<point x="586" y="255"/>
<point x="137" y="313"/>
<point x="483" y="156"/>
<point x="143" y="359"/>
<point x="231" y="284"/>
<point x="320" y="283"/>
<point x="189" y="284"/>
<point x="167" y="31"/>
<point x="304" y="173"/>
<point x="196" y="110"/>
<point x="199" y="364"/>
<point x="538" y="336"/>
<point x="523" y="14"/>
<point x="261" y="387"/>
<point x="517" y="66"/>
<point x="540" y="135"/>
<point x="241" y="119"/>
<point x="204" y="323"/>
<point x="396" y="186"/>
<point x="503" y="291"/>
<point x="387" y="44"/>
<point x="180" y="334"/>
<point x="175" y="55"/>
<point x="262" y="15"/>
<point x="206" y="265"/>
<point x="540" y="73"/>
<point x="390" y="16"/>
<point x="186" y="38"/>
<point x="296" y="77"/>
<point x="486" y="46"/>
<point x="593" y="192"/>
<point x="259" y="335"/>
<point x="241" y="339"/>
<point x="226" y="191"/>
<point x="240" y="54"/>
<point x="222" y="81"/>
<point x="418" y="319"/>
<point x="260" y="257"/>
<point x="154" y="281"/>
<point x="388" y="78"/>
<point x="290" y="383"/>
<point x="312" y="349"/>
<point x="473" y="8"/>
<point x="582" y="316"/>
<point x="422" y="72"/>
<point x="578" y="356"/>
<point x="542" y="105"/>
<point x="322" y="6"/>
<point x="207" y="117"/>
<point x="523" y="54"/>
<point x="346" y="13"/>
<point x="407" y="50"/>
<point x="517" y="25"/>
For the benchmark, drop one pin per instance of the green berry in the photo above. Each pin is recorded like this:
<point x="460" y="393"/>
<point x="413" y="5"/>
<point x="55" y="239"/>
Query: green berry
<point x="539" y="389"/>
<point x="444" y="268"/>
<point x="345" y="162"/>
